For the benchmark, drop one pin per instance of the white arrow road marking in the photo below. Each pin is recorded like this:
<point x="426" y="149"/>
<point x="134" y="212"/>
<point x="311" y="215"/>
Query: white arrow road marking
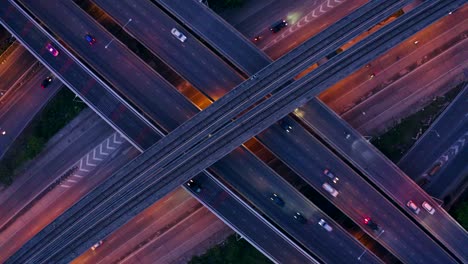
<point x="118" y="138"/>
<point x="108" y="146"/>
<point x="81" y="166"/>
<point x="88" y="162"/>
<point x="69" y="180"/>
<point x="94" y="155"/>
<point x="321" y="10"/>
<point x="101" y="151"/>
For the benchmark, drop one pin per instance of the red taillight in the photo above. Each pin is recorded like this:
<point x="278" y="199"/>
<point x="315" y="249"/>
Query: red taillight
<point x="366" y="220"/>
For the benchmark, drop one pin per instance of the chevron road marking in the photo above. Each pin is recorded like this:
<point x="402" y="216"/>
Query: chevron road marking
<point x="92" y="159"/>
<point x="315" y="13"/>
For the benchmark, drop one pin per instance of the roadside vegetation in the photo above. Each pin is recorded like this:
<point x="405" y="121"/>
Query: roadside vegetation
<point x="399" y="139"/>
<point x="56" y="114"/>
<point x="460" y="211"/>
<point x="231" y="251"/>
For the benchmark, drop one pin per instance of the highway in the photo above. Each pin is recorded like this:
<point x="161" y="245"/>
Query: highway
<point x="21" y="103"/>
<point x="193" y="61"/>
<point x="76" y="77"/>
<point x="459" y="233"/>
<point x="440" y="147"/>
<point x="302" y="138"/>
<point x="216" y="32"/>
<point x="16" y="61"/>
<point x="64" y="20"/>
<point x="356" y="198"/>
<point x="241" y="118"/>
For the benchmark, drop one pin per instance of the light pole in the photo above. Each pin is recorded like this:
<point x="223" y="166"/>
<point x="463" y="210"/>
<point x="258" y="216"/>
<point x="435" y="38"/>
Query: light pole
<point x="128" y="22"/>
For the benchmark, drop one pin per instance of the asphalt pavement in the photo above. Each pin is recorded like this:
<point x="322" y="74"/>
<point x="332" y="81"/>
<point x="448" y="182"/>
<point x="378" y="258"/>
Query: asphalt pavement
<point x="440" y="151"/>
<point x="21" y="104"/>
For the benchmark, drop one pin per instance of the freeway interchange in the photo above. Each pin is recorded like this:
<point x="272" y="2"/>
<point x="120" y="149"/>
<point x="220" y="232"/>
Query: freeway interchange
<point x="208" y="136"/>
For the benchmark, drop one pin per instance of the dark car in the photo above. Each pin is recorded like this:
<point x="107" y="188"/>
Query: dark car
<point x="46" y="81"/>
<point x="330" y="175"/>
<point x="194" y="186"/>
<point x="277" y="26"/>
<point x="368" y="221"/>
<point x="286" y="126"/>
<point x="90" y="39"/>
<point x="300" y="218"/>
<point x="276" y="199"/>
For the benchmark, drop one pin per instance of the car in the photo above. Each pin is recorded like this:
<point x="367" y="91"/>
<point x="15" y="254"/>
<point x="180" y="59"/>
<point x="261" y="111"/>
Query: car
<point x="46" y="82"/>
<point x="276" y="199"/>
<point x="176" y="33"/>
<point x="330" y="175"/>
<point x="300" y="218"/>
<point x="90" y="39"/>
<point x="286" y="126"/>
<point x="194" y="186"/>
<point x="325" y="225"/>
<point x="278" y="25"/>
<point x="52" y="50"/>
<point x="98" y="244"/>
<point x="368" y="221"/>
<point x="428" y="207"/>
<point x="411" y="205"/>
<point x="330" y="189"/>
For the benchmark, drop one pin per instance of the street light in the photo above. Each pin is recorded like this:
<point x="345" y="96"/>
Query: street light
<point x="129" y="20"/>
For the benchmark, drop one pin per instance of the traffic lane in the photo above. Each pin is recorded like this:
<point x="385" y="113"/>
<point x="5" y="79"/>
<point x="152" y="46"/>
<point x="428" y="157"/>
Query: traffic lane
<point x="382" y="172"/>
<point x="43" y="212"/>
<point x="400" y="92"/>
<point x="50" y="165"/>
<point x="451" y="177"/>
<point x="21" y="106"/>
<point x="190" y="59"/>
<point x="14" y="66"/>
<point x="127" y="73"/>
<point x="322" y="16"/>
<point x="248" y="224"/>
<point x="218" y="33"/>
<point x="450" y="122"/>
<point x="388" y="67"/>
<point x="271" y="11"/>
<point x="257" y="183"/>
<point x="357" y="199"/>
<point x="174" y="242"/>
<point x="445" y="148"/>
<point x="76" y="78"/>
<point x="155" y="219"/>
<point x="54" y="201"/>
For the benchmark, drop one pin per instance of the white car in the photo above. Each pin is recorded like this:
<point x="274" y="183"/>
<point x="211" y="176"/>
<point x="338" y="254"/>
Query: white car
<point x="176" y="33"/>
<point x="96" y="245"/>
<point x="428" y="207"/>
<point x="325" y="225"/>
<point x="330" y="189"/>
